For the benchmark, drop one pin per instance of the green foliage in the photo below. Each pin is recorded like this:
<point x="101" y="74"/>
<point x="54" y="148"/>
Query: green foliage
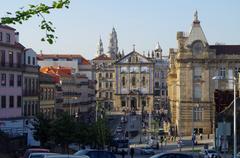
<point x="66" y="129"/>
<point x="38" y="10"/>
<point x="42" y="129"/>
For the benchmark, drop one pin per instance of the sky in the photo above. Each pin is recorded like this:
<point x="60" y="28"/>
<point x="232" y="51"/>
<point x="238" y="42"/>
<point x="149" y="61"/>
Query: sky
<point x="139" y="22"/>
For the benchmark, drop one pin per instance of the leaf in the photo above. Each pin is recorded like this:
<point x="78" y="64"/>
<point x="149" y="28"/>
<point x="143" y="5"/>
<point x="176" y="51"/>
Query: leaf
<point x="50" y="41"/>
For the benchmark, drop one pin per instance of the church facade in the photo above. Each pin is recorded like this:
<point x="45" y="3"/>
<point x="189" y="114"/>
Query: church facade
<point x="190" y="85"/>
<point x="134" y="83"/>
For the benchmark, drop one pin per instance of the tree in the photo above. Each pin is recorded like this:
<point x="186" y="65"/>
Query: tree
<point x="63" y="129"/>
<point x="38" y="10"/>
<point x="42" y="128"/>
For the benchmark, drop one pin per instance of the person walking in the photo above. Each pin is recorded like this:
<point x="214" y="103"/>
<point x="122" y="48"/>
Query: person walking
<point x="165" y="141"/>
<point x="201" y="137"/>
<point x="132" y="152"/>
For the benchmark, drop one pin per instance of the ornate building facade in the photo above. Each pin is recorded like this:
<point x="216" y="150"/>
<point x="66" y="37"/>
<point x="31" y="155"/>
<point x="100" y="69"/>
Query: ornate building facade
<point x="190" y="85"/>
<point x="160" y="79"/>
<point x="134" y="83"/>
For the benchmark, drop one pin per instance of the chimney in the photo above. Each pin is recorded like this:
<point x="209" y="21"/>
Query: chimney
<point x="17" y="36"/>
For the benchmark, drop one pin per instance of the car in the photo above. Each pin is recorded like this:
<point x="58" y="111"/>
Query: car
<point x="147" y="150"/>
<point x="92" y="153"/>
<point x="211" y="153"/>
<point x="34" y="150"/>
<point x="40" y="155"/>
<point x="177" y="155"/>
<point x="66" y="156"/>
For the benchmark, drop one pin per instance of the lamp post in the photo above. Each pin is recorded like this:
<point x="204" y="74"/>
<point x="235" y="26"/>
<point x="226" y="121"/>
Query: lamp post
<point x="234" y="112"/>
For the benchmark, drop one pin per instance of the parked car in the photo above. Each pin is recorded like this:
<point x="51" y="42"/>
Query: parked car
<point x="66" y="156"/>
<point x="34" y="150"/>
<point x="147" y="150"/>
<point x="177" y="155"/>
<point x="95" y="153"/>
<point x="40" y="155"/>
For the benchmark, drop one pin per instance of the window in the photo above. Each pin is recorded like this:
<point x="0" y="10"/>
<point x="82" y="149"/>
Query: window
<point x="237" y="70"/>
<point x="106" y="84"/>
<point x="156" y="84"/>
<point x="11" y="101"/>
<point x="106" y="75"/>
<point x="133" y="81"/>
<point x="19" y="101"/>
<point x="2" y="56"/>
<point x="19" y="80"/>
<point x="123" y="81"/>
<point x="8" y="37"/>
<point x="0" y="36"/>
<point x="123" y="103"/>
<point x="3" y="101"/>
<point x="163" y="85"/>
<point x="197" y="72"/>
<point x="10" y="59"/>
<point x="99" y="85"/>
<point x="197" y="113"/>
<point x="29" y="109"/>
<point x="144" y="81"/>
<point x="197" y="91"/>
<point x="129" y="59"/>
<point x="33" y="61"/>
<point x="222" y="72"/>
<point x="19" y="59"/>
<point x="29" y="60"/>
<point x="3" y="79"/>
<point x="11" y="80"/>
<point x="111" y="85"/>
<point x="111" y="95"/>
<point x="25" y="109"/>
<point x="106" y="94"/>
<point x="111" y="76"/>
<point x="162" y="74"/>
<point x="100" y="94"/>
<point x="163" y="92"/>
<point x="100" y="75"/>
<point x="33" y="109"/>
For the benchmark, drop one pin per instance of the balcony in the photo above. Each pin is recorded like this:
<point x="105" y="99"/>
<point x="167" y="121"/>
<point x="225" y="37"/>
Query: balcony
<point x="11" y="66"/>
<point x="18" y="66"/>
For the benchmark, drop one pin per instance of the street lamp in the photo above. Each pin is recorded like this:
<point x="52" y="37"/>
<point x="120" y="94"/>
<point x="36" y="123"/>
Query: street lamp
<point x="234" y="112"/>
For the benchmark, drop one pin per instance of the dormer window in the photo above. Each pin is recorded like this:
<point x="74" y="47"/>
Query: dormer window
<point x="8" y="37"/>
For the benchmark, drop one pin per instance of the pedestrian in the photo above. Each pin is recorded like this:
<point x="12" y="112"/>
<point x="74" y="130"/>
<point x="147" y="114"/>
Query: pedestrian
<point x="165" y="141"/>
<point x="123" y="153"/>
<point x="132" y="152"/>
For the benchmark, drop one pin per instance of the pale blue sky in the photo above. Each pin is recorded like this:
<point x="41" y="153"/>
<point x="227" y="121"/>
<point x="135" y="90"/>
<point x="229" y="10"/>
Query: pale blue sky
<point x="140" y="22"/>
